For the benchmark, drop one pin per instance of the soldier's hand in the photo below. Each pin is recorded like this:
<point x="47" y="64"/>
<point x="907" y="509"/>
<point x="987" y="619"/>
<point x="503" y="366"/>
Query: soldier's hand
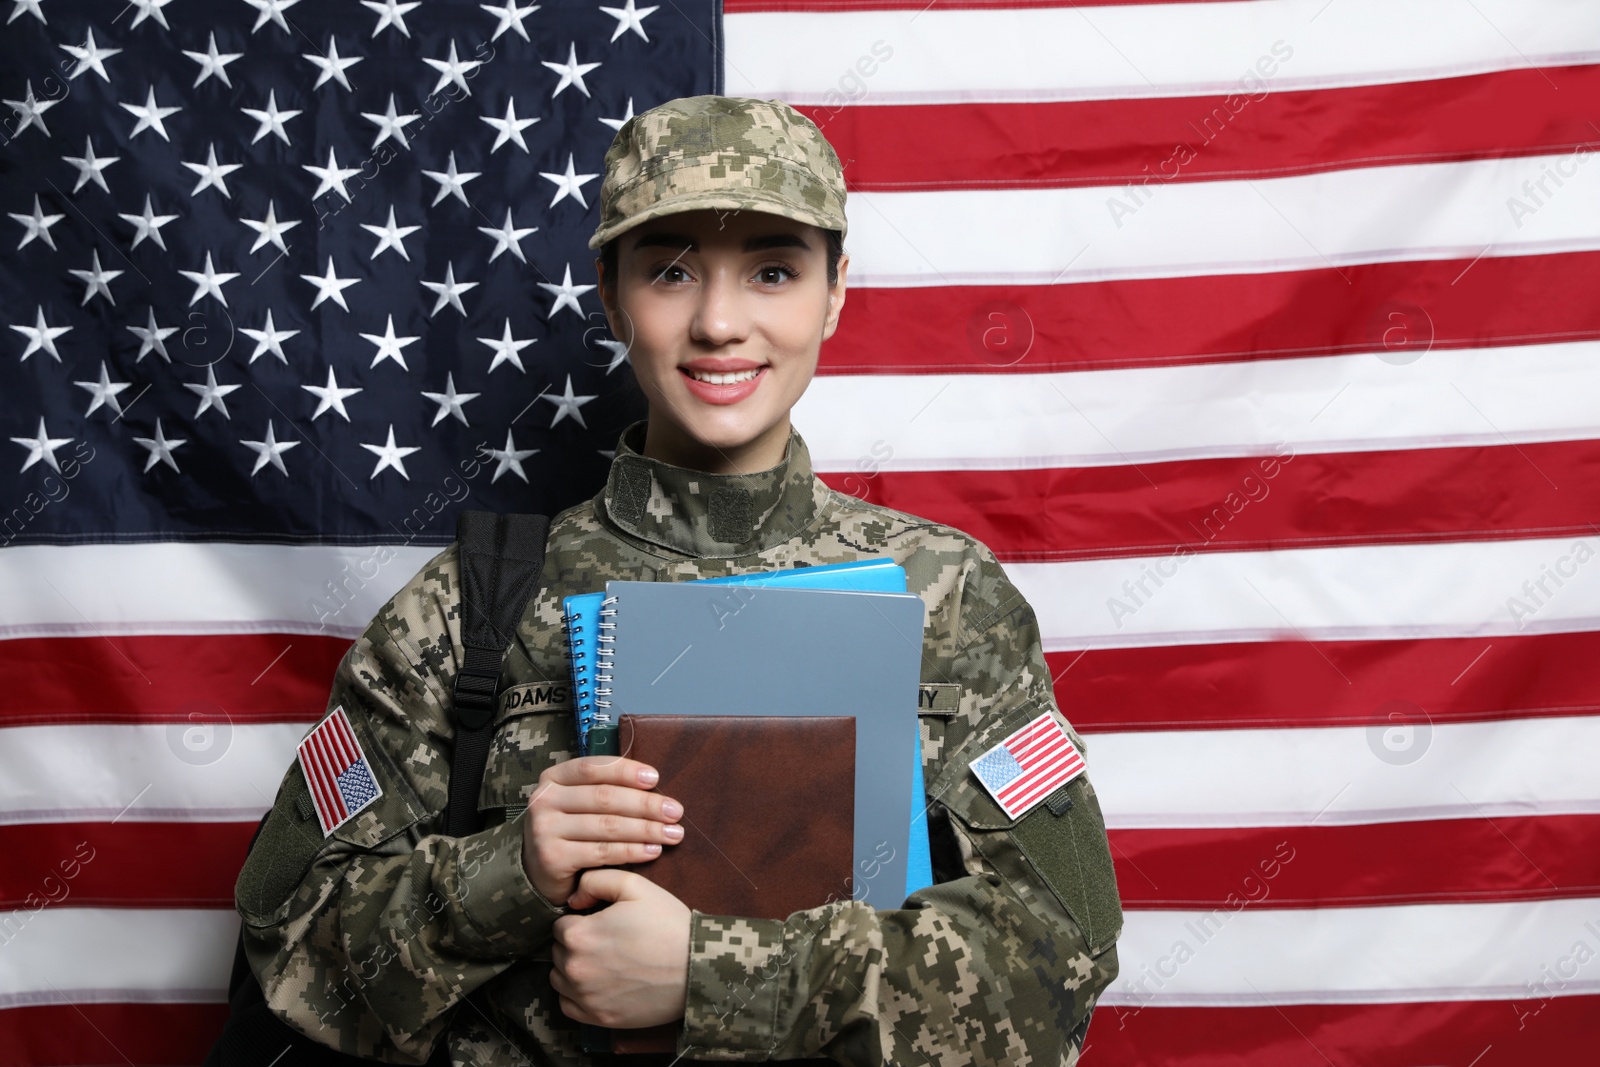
<point x="594" y="811"/>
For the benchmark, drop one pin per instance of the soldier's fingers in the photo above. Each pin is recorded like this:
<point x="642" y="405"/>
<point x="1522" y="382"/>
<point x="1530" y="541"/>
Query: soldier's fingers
<point x="595" y="770"/>
<point x="615" y="800"/>
<point x="589" y="827"/>
<point x="581" y="855"/>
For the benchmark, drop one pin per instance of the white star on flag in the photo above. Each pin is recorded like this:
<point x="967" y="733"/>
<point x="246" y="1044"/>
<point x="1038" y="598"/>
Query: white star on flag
<point x="390" y="13"/>
<point x="390" y="456"/>
<point x="511" y="15"/>
<point x="211" y="393"/>
<point x="389" y="346"/>
<point x="451" y="181"/>
<point x="148" y="225"/>
<point x="390" y="236"/>
<point x="629" y="18"/>
<point x="507" y="238"/>
<point x="271" y="11"/>
<point x="569" y="184"/>
<point x="567" y="404"/>
<point x="89" y="57"/>
<point x="149" y="9"/>
<point x="149" y="115"/>
<point x="160" y="448"/>
<point x="37" y="225"/>
<point x="566" y="294"/>
<point x="453" y="70"/>
<point x="91" y="168"/>
<point x="152" y="338"/>
<point x="103" y="393"/>
<point x="269" y="450"/>
<point x="329" y="286"/>
<point x="390" y="124"/>
<point x="41" y="335"/>
<point x="332" y="176"/>
<point x="42" y="446"/>
<point x="269" y="230"/>
<point x="212" y="173"/>
<point x="449" y="291"/>
<point x="509" y="459"/>
<point x="510" y="128"/>
<point x="617" y="124"/>
<point x="330" y="397"/>
<point x="212" y="63"/>
<point x="268" y="339"/>
<point x="208" y="282"/>
<point x="271" y="119"/>
<point x="571" y="71"/>
<point x="331" y="65"/>
<point x="450" y="402"/>
<point x="507" y="349"/>
<point x="96" y="280"/>
<point x="30" y="111"/>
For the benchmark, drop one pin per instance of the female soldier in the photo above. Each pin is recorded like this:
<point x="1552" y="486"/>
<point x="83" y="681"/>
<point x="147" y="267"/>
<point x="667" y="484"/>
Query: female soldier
<point x="721" y="268"/>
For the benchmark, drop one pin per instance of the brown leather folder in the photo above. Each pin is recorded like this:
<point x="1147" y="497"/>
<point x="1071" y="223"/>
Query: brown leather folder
<point x="769" y="817"/>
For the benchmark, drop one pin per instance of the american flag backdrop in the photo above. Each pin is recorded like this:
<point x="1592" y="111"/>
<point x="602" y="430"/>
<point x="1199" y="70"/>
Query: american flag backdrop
<point x="1259" y="339"/>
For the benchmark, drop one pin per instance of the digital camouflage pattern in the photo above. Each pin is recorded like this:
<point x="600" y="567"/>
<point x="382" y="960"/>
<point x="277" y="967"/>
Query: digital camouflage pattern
<point x="724" y="152"/>
<point x="371" y="940"/>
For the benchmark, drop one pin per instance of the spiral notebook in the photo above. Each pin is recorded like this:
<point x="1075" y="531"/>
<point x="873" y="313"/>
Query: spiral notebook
<point x="694" y="648"/>
<point x="874" y="574"/>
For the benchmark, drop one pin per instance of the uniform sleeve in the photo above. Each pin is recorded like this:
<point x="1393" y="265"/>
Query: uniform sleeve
<point x="365" y="940"/>
<point x="999" y="962"/>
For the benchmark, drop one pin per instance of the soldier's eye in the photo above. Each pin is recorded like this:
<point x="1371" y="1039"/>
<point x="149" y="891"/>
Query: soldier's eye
<point x="776" y="273"/>
<point x="670" y="273"/>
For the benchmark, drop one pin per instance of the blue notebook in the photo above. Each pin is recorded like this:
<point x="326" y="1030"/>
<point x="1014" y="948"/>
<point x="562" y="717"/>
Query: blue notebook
<point x="877" y="575"/>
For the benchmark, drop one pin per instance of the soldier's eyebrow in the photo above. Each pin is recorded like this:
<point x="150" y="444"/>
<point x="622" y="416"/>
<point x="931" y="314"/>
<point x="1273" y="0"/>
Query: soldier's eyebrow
<point x="758" y="243"/>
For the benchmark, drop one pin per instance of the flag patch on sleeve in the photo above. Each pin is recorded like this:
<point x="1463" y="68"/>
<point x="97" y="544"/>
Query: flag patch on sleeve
<point x="342" y="783"/>
<point x="1029" y="765"/>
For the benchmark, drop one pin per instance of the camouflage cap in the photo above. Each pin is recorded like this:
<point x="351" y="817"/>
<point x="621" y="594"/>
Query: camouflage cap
<point x="726" y="152"/>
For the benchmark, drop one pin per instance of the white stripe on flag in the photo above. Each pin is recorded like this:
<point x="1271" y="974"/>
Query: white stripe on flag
<point x="1333" y="218"/>
<point x="68" y="955"/>
<point x="142" y="773"/>
<point x="1385" y="954"/>
<point x="1345" y="403"/>
<point x="199" y="587"/>
<point x="1332" y="776"/>
<point x="1250" y="956"/>
<point x="1356" y="592"/>
<point x="1077" y="52"/>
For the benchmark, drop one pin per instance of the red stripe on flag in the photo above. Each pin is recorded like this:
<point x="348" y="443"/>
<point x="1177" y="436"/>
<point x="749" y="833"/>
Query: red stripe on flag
<point x="1331" y="683"/>
<point x="142" y="864"/>
<point x="329" y="803"/>
<point x="331" y="768"/>
<point x="1046" y="781"/>
<point x="1493" y="1033"/>
<point x="1223" y="135"/>
<point x="339" y="739"/>
<point x="1443" y="861"/>
<point x="1219" y="318"/>
<point x="235" y="678"/>
<point x="1253" y="502"/>
<point x="55" y="1035"/>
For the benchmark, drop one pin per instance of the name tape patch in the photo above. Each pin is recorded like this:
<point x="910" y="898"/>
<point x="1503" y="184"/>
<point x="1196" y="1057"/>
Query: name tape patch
<point x="537" y="696"/>
<point x="1029" y="765"/>
<point x="341" y="780"/>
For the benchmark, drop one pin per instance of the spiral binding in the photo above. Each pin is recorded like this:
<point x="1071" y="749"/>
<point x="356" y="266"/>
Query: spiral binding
<point x="604" y="661"/>
<point x="580" y="670"/>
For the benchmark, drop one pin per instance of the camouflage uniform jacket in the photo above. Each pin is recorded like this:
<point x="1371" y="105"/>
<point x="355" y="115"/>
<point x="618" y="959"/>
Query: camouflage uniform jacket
<point x="370" y="939"/>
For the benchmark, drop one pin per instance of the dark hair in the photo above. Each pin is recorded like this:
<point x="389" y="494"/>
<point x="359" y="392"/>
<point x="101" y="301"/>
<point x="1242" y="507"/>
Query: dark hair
<point x="833" y="242"/>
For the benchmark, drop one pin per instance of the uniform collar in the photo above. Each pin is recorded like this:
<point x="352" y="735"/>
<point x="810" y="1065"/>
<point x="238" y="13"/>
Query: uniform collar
<point x="707" y="515"/>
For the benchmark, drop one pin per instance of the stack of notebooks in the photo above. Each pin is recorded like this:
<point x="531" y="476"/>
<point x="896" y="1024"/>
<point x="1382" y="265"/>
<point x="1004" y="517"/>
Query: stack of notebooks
<point x="780" y="709"/>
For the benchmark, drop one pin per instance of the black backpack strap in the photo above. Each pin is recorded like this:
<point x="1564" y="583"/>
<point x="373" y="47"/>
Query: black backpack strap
<point x="502" y="558"/>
